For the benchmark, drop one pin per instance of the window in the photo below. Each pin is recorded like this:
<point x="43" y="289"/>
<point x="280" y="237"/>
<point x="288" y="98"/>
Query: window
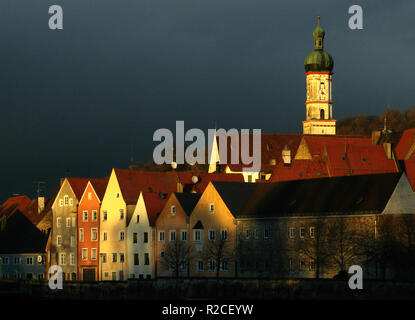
<point x="136" y="261"/>
<point x="197" y="235"/>
<point x="199" y="265"/>
<point x="68" y="222"/>
<point x="16" y="260"/>
<point x="302" y="232"/>
<point x="291" y="232"/>
<point x="93" y="253"/>
<point x="94" y="215"/>
<point x="117" y="195"/>
<point x="256" y="234"/>
<point x="172" y="235"/>
<point x="104" y="215"/>
<point x="211" y="265"/>
<point x="104" y="257"/>
<point x="138" y="218"/>
<point x="135" y="237"/>
<point x="212" y="235"/>
<point x="85" y="216"/>
<point x="81" y="234"/>
<point x="211" y="208"/>
<point x="94" y="234"/>
<point x="59" y="240"/>
<point x="312" y="265"/>
<point x="312" y="232"/>
<point x="184" y="235"/>
<point x="224" y="265"/>
<point x="146" y="259"/>
<point x="70" y="201"/>
<point x="72" y="241"/>
<point x="29" y="260"/>
<point x="122" y="235"/>
<point x="183" y="266"/>
<point x="104" y="236"/>
<point x="145" y="237"/>
<point x="121" y="214"/>
<point x="58" y="222"/>
<point x="84" y="254"/>
<point x="106" y="275"/>
<point x="247" y="234"/>
<point x="66" y="200"/>
<point x="60" y="203"/>
<point x="173" y="210"/>
<point x="114" y="257"/>
<point x="267" y="232"/>
<point x="161" y="236"/>
<point x="72" y="257"/>
<point x="89" y="196"/>
<point x="121" y="257"/>
<point x="224" y="234"/>
<point x="162" y="254"/>
<point x="302" y="264"/>
<point x="62" y="259"/>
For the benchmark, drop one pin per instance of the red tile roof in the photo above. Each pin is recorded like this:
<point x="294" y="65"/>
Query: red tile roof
<point x="299" y="169"/>
<point x="78" y="186"/>
<point x="358" y="159"/>
<point x="154" y="204"/>
<point x="410" y="172"/>
<point x="316" y="143"/>
<point x="99" y="185"/>
<point x="31" y="212"/>
<point x="272" y="145"/>
<point x="11" y="205"/>
<point x="404" y="149"/>
<point x="132" y="182"/>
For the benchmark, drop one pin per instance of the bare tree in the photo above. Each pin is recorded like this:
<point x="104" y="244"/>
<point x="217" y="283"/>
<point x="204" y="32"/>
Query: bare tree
<point x="177" y="256"/>
<point x="317" y="248"/>
<point x="343" y="240"/>
<point x="220" y="251"/>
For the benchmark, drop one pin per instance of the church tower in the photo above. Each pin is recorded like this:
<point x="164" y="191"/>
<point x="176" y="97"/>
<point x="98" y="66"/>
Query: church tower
<point x="318" y="71"/>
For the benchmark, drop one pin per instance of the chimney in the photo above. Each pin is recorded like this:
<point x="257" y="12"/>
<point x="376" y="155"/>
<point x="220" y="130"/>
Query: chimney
<point x="40" y="204"/>
<point x="286" y="156"/>
<point x="388" y="149"/>
<point x="375" y="137"/>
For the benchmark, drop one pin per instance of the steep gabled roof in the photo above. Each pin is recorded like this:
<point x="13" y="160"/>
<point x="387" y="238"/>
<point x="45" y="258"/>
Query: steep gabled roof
<point x="405" y="147"/>
<point x="133" y="182"/>
<point x="235" y="194"/>
<point x="21" y="236"/>
<point x="154" y="204"/>
<point x="323" y="196"/>
<point x="32" y="213"/>
<point x="13" y="204"/>
<point x="188" y="201"/>
<point x="99" y="185"/>
<point x="78" y="186"/>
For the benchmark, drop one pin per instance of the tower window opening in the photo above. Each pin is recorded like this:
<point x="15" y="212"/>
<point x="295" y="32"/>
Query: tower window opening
<point x="322" y="114"/>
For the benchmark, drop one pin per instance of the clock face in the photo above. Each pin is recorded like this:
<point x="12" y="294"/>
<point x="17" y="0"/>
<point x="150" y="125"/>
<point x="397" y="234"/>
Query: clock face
<point x="322" y="94"/>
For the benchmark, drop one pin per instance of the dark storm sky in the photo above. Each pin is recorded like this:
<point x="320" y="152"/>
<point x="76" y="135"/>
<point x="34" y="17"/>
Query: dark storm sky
<point x="78" y="98"/>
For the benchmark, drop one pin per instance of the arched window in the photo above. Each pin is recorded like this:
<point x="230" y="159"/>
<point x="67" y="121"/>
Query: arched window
<point x="322" y="114"/>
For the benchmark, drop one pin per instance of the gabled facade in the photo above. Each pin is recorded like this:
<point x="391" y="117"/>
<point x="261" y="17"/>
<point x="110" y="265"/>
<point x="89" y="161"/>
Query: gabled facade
<point x="64" y="236"/>
<point x="141" y="235"/>
<point x="212" y="228"/>
<point x="173" y="225"/>
<point x="22" y="249"/>
<point x="89" y="229"/>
